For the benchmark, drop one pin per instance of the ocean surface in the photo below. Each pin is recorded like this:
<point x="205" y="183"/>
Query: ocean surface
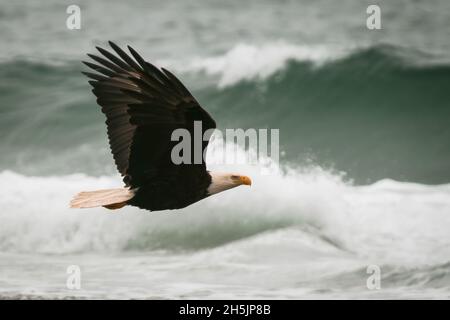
<point x="363" y="178"/>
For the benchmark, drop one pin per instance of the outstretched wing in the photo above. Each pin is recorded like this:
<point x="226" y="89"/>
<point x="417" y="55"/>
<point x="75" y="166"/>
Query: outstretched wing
<point x="143" y="105"/>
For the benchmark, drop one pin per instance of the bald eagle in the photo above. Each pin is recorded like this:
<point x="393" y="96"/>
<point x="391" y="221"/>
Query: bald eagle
<point x="143" y="105"/>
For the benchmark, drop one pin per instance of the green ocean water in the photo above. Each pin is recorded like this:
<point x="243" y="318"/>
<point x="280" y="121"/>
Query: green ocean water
<point x="364" y="171"/>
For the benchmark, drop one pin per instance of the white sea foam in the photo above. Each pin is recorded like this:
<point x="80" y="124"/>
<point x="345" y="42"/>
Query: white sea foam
<point x="246" y="61"/>
<point x="389" y="222"/>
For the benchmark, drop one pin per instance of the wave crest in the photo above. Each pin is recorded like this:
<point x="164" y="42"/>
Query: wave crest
<point x="389" y="221"/>
<point x="247" y="62"/>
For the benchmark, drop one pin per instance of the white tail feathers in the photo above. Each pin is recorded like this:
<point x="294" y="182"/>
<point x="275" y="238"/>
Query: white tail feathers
<point x="108" y="198"/>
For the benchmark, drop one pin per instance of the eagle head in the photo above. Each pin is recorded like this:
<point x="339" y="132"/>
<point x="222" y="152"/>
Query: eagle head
<point x="224" y="181"/>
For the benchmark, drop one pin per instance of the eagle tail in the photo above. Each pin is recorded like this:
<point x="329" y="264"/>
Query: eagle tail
<point x="108" y="198"/>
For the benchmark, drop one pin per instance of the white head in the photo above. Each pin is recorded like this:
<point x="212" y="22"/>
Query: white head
<point x="222" y="181"/>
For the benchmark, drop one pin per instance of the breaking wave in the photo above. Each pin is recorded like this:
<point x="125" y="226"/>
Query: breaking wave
<point x="399" y="222"/>
<point x="394" y="127"/>
<point x="385" y="133"/>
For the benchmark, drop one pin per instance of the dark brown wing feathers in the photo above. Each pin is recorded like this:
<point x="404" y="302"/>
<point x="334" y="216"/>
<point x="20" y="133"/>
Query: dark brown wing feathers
<point x="143" y="105"/>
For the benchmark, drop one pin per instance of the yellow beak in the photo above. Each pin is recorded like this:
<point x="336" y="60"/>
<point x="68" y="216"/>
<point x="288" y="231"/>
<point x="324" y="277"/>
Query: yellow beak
<point x="246" y="180"/>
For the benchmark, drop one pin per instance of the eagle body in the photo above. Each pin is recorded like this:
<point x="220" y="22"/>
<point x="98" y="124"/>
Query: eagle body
<point x="168" y="192"/>
<point x="143" y="106"/>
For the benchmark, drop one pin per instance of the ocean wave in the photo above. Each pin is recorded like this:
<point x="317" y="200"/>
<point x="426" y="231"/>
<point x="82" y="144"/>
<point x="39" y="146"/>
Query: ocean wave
<point x="370" y="222"/>
<point x="372" y="112"/>
<point x="247" y="61"/>
<point x="252" y="62"/>
<point x="36" y="216"/>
